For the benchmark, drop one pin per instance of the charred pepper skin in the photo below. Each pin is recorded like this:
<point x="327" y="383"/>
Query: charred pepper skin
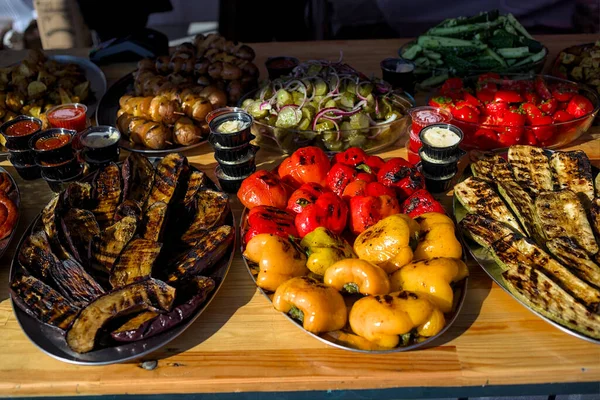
<point x="399" y="174"/>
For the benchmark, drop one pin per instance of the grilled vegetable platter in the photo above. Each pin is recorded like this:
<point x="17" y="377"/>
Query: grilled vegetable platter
<point x="353" y="250"/>
<point x="10" y="201"/>
<point x="532" y="221"/>
<point x="96" y="279"/>
<point x="580" y="64"/>
<point x="469" y="45"/>
<point x="161" y="107"/>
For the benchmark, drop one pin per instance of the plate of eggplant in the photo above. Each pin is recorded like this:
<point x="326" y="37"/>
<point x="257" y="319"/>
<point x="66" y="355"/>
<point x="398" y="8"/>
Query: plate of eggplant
<point x="97" y="280"/>
<point x="531" y="219"/>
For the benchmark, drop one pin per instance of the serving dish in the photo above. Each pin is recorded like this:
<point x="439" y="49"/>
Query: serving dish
<point x="580" y="64"/>
<point x="15" y="195"/>
<point x="52" y="340"/>
<point x="492" y="266"/>
<point x="107" y="115"/>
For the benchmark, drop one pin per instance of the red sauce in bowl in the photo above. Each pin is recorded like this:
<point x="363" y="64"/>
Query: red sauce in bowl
<point x="22" y="128"/>
<point x="52" y="142"/>
<point x="69" y="116"/>
<point x="282" y="63"/>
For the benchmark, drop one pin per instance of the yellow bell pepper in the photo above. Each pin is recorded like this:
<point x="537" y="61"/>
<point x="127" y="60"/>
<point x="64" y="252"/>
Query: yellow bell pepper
<point x="436" y="237"/>
<point x="357" y="276"/>
<point x="387" y="243"/>
<point x="431" y="278"/>
<point x="278" y="259"/>
<point x="320" y="308"/>
<point x="324" y="248"/>
<point x="384" y="319"/>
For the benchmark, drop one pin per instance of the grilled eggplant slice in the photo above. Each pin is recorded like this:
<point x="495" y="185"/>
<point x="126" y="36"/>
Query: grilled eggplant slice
<point x="212" y="208"/>
<point x="108" y="194"/>
<point x="42" y="302"/>
<point x="597" y="184"/>
<point x="79" y="227"/>
<point x="135" y="262"/>
<point x="194" y="184"/>
<point x="73" y="281"/>
<point x="50" y="223"/>
<point x="156" y="216"/>
<point x="478" y="197"/>
<point x="536" y="289"/>
<point x="568" y="252"/>
<point x="573" y="170"/>
<point x="106" y="248"/>
<point x="77" y="195"/>
<point x="531" y="168"/>
<point x="36" y="255"/>
<point x="483" y="230"/>
<point x="126" y="300"/>
<point x="484" y="167"/>
<point x="562" y="214"/>
<point x="595" y="216"/>
<point x="514" y="251"/>
<point x="169" y="171"/>
<point x="206" y="251"/>
<point x="128" y="208"/>
<point x="519" y="200"/>
<point x="149" y="324"/>
<point x="138" y="178"/>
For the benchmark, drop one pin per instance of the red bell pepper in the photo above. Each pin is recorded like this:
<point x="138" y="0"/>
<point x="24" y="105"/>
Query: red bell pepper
<point x="402" y="176"/>
<point x="356" y="157"/>
<point x="266" y="219"/>
<point x="420" y="202"/>
<point x="263" y="188"/>
<point x="305" y="195"/>
<point x="366" y="211"/>
<point x="363" y="188"/>
<point x="340" y="175"/>
<point x="307" y="164"/>
<point x="328" y="211"/>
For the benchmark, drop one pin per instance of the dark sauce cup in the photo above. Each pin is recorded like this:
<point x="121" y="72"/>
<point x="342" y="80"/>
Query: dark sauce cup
<point x="58" y="185"/>
<point x="21" y="156"/>
<point x="440" y="153"/>
<point x="54" y="155"/>
<point x="281" y="66"/>
<point x="400" y="73"/>
<point x="100" y="144"/>
<point x="61" y="171"/>
<point x="229" y="184"/>
<point x="19" y="142"/>
<point x="28" y="172"/>
<point x="233" y="139"/>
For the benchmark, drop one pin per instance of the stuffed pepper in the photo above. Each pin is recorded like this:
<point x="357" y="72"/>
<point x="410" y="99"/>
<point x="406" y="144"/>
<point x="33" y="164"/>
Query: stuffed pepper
<point x="318" y="307"/>
<point x="388" y="242"/>
<point x="324" y="248"/>
<point x="431" y="278"/>
<point x="266" y="219"/>
<point x="279" y="259"/>
<point x="387" y="319"/>
<point x="357" y="276"/>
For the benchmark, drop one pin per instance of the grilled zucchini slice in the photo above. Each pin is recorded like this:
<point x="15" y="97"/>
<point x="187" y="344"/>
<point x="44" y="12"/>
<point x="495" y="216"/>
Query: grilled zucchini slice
<point x="597" y="184"/>
<point x="483" y="168"/>
<point x="573" y="170"/>
<point x="568" y="252"/>
<point x="562" y="214"/>
<point x="531" y="168"/>
<point x="595" y="216"/>
<point x="483" y="230"/>
<point x="478" y="197"/>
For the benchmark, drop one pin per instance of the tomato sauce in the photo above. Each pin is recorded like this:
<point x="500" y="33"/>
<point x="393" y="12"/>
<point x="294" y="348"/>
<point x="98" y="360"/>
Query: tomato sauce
<point x="53" y="142"/>
<point x="22" y="128"/>
<point x="69" y="116"/>
<point x="422" y="117"/>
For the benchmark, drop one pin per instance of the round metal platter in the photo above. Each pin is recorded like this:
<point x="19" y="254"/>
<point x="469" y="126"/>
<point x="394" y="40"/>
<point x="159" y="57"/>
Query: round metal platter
<point x="493" y="269"/>
<point x="52" y="341"/>
<point x="107" y="115"/>
<point x="15" y="196"/>
<point x="460" y="293"/>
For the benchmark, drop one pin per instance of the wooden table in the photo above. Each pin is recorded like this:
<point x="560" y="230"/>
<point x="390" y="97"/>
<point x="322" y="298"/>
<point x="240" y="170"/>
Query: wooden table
<point x="240" y="344"/>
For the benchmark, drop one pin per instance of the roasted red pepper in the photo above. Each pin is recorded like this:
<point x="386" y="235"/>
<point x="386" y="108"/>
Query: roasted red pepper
<point x="263" y="188"/>
<point x="328" y="211"/>
<point x="340" y="175"/>
<point x="307" y="164"/>
<point x="305" y="195"/>
<point x="265" y="219"/>
<point x="401" y="175"/>
<point x="356" y="157"/>
<point x="366" y="211"/>
<point x="363" y="188"/>
<point x="419" y="203"/>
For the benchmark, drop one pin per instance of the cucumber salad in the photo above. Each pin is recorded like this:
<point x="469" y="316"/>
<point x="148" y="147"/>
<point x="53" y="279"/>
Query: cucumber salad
<point x="330" y="103"/>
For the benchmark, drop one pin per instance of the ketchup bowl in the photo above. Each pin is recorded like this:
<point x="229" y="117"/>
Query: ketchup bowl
<point x="19" y="130"/>
<point x="52" y="146"/>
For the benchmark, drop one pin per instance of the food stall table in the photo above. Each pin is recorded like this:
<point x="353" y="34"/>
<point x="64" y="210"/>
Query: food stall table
<point x="241" y="345"/>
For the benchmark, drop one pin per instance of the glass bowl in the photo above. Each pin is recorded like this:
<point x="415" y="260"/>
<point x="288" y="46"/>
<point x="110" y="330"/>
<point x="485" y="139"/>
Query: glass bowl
<point x="563" y="132"/>
<point x="372" y="139"/>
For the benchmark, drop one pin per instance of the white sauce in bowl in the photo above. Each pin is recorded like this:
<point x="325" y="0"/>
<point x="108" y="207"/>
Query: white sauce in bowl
<point x="440" y="137"/>
<point x="100" y="139"/>
<point x="231" y="126"/>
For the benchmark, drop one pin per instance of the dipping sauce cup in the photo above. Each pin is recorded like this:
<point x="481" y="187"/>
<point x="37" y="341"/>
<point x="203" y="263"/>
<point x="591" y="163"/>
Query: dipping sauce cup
<point x="101" y="143"/>
<point x="19" y="130"/>
<point x="53" y="146"/>
<point x="422" y="117"/>
<point x="440" y="141"/>
<point x="400" y="73"/>
<point x="71" y="116"/>
<point x="230" y="126"/>
<point x="281" y="66"/>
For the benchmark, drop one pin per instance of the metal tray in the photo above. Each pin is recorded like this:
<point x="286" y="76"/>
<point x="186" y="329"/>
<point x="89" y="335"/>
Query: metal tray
<point x="52" y="341"/>
<point x="460" y="293"/>
<point x="493" y="269"/>
<point x="15" y="196"/>
<point x="107" y="115"/>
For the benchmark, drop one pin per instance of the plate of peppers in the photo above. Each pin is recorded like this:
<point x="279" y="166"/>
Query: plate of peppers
<point x="353" y="249"/>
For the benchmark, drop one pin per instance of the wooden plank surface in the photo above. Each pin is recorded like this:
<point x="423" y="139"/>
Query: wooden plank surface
<point x="241" y="344"/>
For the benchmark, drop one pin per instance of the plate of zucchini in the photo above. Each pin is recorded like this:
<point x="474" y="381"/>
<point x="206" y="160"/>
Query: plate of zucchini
<point x="532" y="222"/>
<point x="487" y="42"/>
